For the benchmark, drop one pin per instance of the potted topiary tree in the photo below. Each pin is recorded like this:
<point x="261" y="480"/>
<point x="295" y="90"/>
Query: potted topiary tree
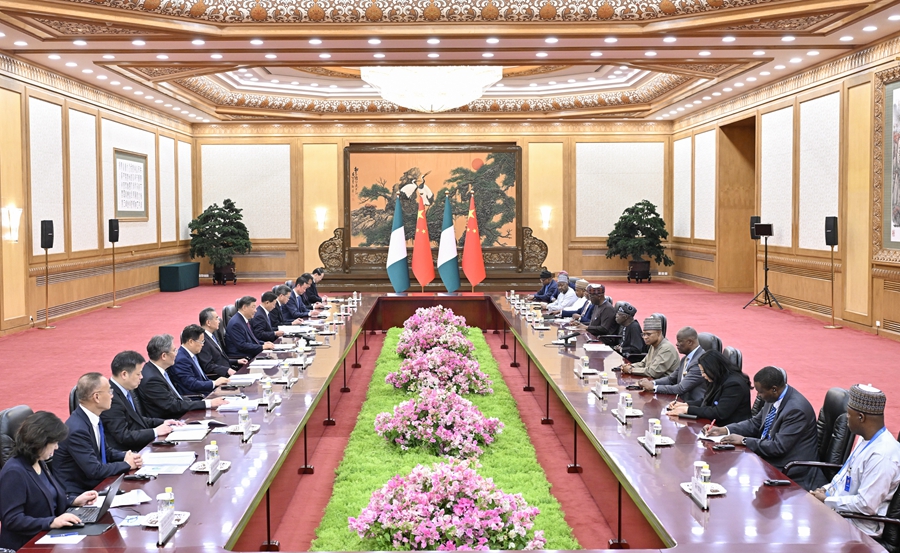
<point x="219" y="234"/>
<point x="639" y="232"/>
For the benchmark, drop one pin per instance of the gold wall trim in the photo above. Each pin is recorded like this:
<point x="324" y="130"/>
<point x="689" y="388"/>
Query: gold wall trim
<point x="694" y="278"/>
<point x="805" y="305"/>
<point x="95" y="301"/>
<point x="801" y="263"/>
<point x="850" y="63"/>
<point x="39" y="76"/>
<point x="676" y="247"/>
<point x="886" y="274"/>
<point x="433" y="129"/>
<point x="702" y="256"/>
<point x="122" y="259"/>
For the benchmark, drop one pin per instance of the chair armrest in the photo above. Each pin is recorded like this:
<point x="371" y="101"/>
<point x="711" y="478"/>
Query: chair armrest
<point x="818" y="464"/>
<point x="873" y="518"/>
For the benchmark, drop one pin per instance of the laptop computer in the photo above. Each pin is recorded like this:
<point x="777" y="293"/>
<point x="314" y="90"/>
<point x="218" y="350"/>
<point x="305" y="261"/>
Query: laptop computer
<point x="89" y="514"/>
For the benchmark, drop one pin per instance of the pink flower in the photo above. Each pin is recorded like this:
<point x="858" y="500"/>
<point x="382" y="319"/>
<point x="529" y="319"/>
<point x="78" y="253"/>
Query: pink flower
<point x="440" y="368"/>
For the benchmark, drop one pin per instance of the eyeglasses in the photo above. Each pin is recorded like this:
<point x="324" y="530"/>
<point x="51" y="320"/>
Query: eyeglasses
<point x="648" y="334"/>
<point x="201" y="341"/>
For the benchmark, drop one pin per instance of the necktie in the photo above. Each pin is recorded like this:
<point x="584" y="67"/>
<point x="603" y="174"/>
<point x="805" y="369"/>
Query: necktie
<point x="102" y="442"/>
<point x="166" y="376"/>
<point x="252" y="336"/>
<point x="768" y="424"/>
<point x="216" y="342"/>
<point x="268" y="321"/>
<point x="130" y="400"/>
<point x="197" y="366"/>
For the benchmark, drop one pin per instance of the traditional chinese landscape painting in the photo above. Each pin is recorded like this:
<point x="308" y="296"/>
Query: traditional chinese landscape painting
<point x="375" y="175"/>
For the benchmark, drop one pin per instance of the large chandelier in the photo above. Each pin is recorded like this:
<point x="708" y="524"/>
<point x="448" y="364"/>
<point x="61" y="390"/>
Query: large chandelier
<point x="432" y="89"/>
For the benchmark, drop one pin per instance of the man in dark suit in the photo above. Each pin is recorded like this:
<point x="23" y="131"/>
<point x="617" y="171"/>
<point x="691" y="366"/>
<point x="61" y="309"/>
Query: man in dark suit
<point x="603" y="315"/>
<point x="297" y="308"/>
<point x="549" y="289"/>
<point x="157" y="394"/>
<point x="784" y="430"/>
<point x="212" y="356"/>
<point x="282" y="309"/>
<point x="264" y="323"/>
<point x="186" y="374"/>
<point x="125" y="426"/>
<point x="312" y="293"/>
<point x="84" y="458"/>
<point x="239" y="338"/>
<point x="685" y="381"/>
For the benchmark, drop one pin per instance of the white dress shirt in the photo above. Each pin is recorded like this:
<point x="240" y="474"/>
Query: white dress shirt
<point x="95" y="423"/>
<point x="563" y="301"/>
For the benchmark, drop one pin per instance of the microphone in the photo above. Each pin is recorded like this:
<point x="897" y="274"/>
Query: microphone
<point x="565" y="339"/>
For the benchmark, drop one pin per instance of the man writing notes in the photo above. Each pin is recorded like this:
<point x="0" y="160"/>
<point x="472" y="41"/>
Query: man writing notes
<point x="869" y="479"/>
<point x="549" y="290"/>
<point x="784" y="430"/>
<point x="239" y="338"/>
<point x="157" y="394"/>
<point x="212" y="356"/>
<point x="125" y="426"/>
<point x="566" y="298"/>
<point x="84" y="458"/>
<point x="662" y="358"/>
<point x="264" y="322"/>
<point x="186" y="374"/>
<point x="686" y="381"/>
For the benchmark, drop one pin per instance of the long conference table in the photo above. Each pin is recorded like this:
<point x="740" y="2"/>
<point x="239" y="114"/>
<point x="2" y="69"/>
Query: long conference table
<point x="638" y="494"/>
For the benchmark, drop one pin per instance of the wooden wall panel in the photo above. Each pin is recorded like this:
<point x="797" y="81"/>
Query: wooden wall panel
<point x="735" y="203"/>
<point x="322" y="187"/>
<point x="545" y="170"/>
<point x="856" y="222"/>
<point x="12" y="193"/>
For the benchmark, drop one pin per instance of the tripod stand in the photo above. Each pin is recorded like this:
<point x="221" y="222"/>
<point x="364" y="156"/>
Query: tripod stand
<point x="767" y="296"/>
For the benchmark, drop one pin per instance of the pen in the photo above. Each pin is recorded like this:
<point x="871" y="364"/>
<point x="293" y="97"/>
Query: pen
<point x="64" y="535"/>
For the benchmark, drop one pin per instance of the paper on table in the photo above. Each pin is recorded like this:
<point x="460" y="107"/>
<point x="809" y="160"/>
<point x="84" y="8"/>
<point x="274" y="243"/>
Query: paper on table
<point x="263" y="364"/>
<point x="237" y="404"/>
<point x="596" y="347"/>
<point x="290" y="329"/>
<point x="188" y="433"/>
<point x="169" y="458"/>
<point x="60" y="539"/>
<point x="134" y="497"/>
<point x="245" y="379"/>
<point x="716" y="439"/>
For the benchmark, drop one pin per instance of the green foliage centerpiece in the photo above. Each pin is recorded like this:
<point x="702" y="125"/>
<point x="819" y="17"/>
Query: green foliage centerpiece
<point x="639" y="232"/>
<point x="219" y="234"/>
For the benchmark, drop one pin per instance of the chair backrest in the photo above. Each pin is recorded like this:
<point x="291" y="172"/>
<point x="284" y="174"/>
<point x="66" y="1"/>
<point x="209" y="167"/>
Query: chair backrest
<point x="73" y="400"/>
<point x="709" y="342"/>
<point x="662" y="318"/>
<point x="834" y="436"/>
<point x="227" y="313"/>
<point x="757" y="405"/>
<point x="10" y="421"/>
<point x="734" y="355"/>
<point x="890" y="538"/>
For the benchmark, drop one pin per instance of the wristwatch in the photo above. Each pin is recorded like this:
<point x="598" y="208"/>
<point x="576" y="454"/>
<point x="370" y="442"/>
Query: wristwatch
<point x="744" y="441"/>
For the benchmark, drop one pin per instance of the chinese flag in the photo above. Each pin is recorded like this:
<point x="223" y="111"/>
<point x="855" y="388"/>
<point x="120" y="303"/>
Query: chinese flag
<point x="473" y="261"/>
<point x="422" y="263"/>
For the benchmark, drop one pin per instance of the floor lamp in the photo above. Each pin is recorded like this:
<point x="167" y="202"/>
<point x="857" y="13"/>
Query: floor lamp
<point x="831" y="239"/>
<point x="113" y="238"/>
<point x="46" y="244"/>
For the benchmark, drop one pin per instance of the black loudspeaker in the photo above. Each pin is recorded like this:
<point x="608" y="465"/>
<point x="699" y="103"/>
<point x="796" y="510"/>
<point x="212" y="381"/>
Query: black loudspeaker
<point x="113" y="230"/>
<point x="754" y="219"/>
<point x="831" y="231"/>
<point x="46" y="235"/>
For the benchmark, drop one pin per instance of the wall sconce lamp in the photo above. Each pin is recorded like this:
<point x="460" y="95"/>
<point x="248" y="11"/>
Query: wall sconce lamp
<point x="545" y="216"/>
<point x="320" y="217"/>
<point x="11" y="217"/>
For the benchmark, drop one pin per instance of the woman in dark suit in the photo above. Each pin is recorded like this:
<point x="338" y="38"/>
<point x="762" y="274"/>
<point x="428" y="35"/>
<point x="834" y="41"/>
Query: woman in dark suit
<point x="727" y="398"/>
<point x="31" y="499"/>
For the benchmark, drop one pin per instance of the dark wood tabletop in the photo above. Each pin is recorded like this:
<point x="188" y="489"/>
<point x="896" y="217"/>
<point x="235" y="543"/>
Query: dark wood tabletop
<point x="747" y="517"/>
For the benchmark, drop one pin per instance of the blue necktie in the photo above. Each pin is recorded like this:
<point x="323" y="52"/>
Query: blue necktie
<point x="102" y="442"/>
<point x="166" y="376"/>
<point x="199" y="370"/>
<point x="130" y="400"/>
<point x="216" y="342"/>
<point x="768" y="424"/>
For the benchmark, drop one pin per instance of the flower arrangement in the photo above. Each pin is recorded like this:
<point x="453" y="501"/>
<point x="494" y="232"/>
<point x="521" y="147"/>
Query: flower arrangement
<point x="441" y="422"/>
<point x="415" y="342"/>
<point x="447" y="507"/>
<point x="441" y="369"/>
<point x="438" y="315"/>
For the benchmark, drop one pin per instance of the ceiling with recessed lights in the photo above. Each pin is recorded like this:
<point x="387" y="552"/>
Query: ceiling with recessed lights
<point x="219" y="60"/>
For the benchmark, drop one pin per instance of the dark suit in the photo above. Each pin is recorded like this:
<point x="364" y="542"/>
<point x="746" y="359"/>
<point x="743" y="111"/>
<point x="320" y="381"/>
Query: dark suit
<point x="187" y="377"/>
<point x="262" y="325"/>
<point x="158" y="399"/>
<point x="727" y="403"/>
<point x="632" y="342"/>
<point x="548" y="292"/>
<point x="239" y="340"/>
<point x="792" y="436"/>
<point x="584" y="312"/>
<point x="686" y="382"/>
<point x="295" y="308"/>
<point x="126" y="428"/>
<point x="27" y="508"/>
<point x="311" y="295"/>
<point x="77" y="462"/>
<point x="212" y="357"/>
<point x="603" y="320"/>
<point x="278" y="316"/>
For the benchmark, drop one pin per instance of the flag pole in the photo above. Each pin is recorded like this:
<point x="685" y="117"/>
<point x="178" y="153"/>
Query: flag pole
<point x="470" y="195"/>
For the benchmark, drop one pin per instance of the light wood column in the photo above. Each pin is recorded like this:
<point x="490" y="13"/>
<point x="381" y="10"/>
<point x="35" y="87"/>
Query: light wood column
<point x="857" y="216"/>
<point x="13" y="304"/>
<point x="544" y="187"/>
<point x="321" y="188"/>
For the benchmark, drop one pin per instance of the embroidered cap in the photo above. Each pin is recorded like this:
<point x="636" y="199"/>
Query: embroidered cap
<point x="581" y="284"/>
<point x="866" y="399"/>
<point x="652" y="323"/>
<point x="627" y="309"/>
<point x="595" y="289"/>
<point x="562" y="275"/>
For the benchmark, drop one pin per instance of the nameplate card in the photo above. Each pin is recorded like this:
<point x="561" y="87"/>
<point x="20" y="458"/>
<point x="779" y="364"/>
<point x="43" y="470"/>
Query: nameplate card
<point x="166" y="527"/>
<point x="649" y="442"/>
<point x="698" y="493"/>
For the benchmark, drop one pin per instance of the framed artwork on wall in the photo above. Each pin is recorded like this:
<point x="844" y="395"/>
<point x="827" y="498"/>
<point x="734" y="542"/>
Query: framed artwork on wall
<point x="130" y="184"/>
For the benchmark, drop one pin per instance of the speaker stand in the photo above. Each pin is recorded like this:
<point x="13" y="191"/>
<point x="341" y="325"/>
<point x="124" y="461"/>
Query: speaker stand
<point x="767" y="297"/>
<point x="114" y="306"/>
<point x="47" y="291"/>
<point x="832" y="326"/>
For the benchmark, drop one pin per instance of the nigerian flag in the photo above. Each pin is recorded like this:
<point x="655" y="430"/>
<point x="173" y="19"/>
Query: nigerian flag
<point x="448" y="263"/>
<point x="397" y="265"/>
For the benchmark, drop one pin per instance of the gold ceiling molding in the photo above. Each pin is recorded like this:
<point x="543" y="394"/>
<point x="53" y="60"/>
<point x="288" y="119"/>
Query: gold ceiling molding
<point x="788" y="24"/>
<point x="428" y="11"/>
<point x="333" y="72"/>
<point x="57" y="83"/>
<point x="850" y="63"/>
<point x="626" y="100"/>
<point x="83" y="28"/>
<point x="353" y="73"/>
<point x="584" y="128"/>
<point x="705" y="70"/>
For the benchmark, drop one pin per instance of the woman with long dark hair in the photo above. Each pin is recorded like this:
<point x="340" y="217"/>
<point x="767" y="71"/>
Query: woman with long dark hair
<point x="31" y="499"/>
<point x="727" y="398"/>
